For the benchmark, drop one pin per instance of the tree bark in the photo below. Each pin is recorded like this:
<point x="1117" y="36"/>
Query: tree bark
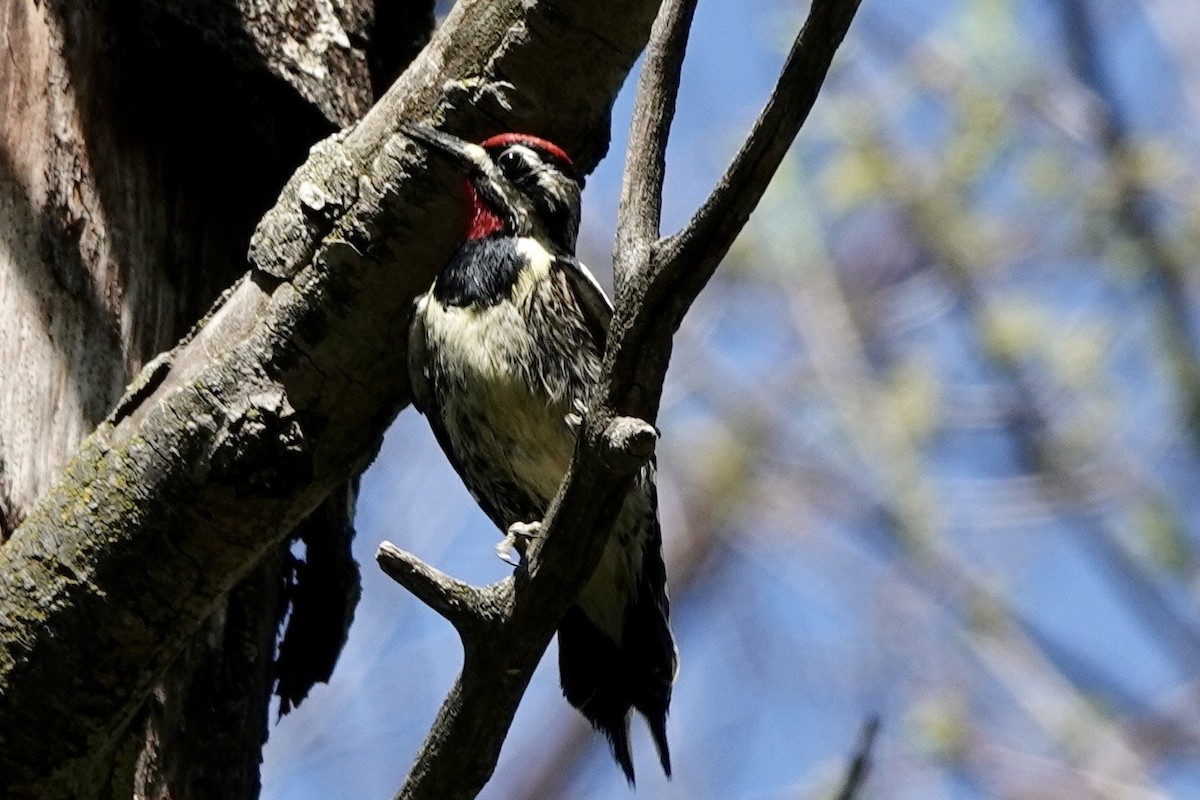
<point x="280" y="395"/>
<point x="125" y="127"/>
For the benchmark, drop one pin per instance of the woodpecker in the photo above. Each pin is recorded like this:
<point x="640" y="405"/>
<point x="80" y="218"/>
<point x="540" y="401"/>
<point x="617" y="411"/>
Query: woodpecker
<point x="504" y="354"/>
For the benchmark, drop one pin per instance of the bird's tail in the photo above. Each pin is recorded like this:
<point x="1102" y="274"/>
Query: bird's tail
<point x="606" y="680"/>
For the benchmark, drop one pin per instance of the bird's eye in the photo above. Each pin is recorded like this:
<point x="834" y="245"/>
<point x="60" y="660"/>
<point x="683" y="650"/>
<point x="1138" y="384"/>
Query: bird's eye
<point x="510" y="161"/>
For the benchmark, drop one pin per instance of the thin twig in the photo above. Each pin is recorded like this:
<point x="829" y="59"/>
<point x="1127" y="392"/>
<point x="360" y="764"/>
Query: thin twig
<point x="860" y="765"/>
<point x="668" y="278"/>
<point x="640" y="214"/>
<point x="462" y="604"/>
<point x="691" y="255"/>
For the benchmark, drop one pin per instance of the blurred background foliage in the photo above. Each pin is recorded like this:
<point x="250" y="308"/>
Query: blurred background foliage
<point x="931" y="438"/>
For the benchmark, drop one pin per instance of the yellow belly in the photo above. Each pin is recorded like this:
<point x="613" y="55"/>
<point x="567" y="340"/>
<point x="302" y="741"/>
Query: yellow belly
<point x="515" y="424"/>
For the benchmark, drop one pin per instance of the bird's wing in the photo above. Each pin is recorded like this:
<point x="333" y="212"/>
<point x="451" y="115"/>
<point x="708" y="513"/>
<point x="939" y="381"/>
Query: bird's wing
<point x="596" y="307"/>
<point x="418" y="359"/>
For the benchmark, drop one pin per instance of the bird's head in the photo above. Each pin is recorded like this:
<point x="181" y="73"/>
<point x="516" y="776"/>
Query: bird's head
<point x="517" y="185"/>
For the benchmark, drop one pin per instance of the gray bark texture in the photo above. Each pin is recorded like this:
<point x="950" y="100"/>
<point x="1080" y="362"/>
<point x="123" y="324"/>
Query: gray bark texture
<point x="125" y="130"/>
<point x="123" y="225"/>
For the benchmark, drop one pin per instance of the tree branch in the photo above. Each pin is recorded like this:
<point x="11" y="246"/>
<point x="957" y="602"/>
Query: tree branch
<point x="640" y="213"/>
<point x="283" y="390"/>
<point x="464" y="606"/>
<point x="666" y="275"/>
<point x="276" y="397"/>
<point x="616" y="436"/>
<point x="690" y="256"/>
<point x="508" y="625"/>
<point x="860" y="764"/>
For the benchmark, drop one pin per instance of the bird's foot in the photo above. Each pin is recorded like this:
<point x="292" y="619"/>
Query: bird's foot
<point x="519" y="535"/>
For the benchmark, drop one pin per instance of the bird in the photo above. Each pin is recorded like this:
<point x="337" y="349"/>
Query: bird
<point x="504" y="354"/>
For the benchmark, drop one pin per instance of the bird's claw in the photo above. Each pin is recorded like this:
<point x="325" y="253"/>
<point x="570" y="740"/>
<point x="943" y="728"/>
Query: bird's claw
<point x="519" y="535"/>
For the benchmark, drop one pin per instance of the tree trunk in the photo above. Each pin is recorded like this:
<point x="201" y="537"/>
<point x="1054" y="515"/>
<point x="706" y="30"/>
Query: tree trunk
<point x="139" y="145"/>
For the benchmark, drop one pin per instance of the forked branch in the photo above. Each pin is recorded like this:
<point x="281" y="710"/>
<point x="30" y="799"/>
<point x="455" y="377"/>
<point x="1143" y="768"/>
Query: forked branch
<point x="658" y="279"/>
<point x="506" y="627"/>
<point x="687" y="259"/>
<point x="860" y="763"/>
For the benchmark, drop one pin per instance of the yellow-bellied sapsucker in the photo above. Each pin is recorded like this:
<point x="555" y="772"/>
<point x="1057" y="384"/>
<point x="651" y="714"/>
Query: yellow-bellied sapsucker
<point x="504" y="353"/>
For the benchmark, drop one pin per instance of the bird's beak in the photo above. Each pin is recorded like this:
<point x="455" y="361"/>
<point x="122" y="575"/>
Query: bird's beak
<point x="466" y="155"/>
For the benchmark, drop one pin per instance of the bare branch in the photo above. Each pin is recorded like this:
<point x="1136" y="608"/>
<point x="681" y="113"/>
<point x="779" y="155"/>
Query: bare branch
<point x="639" y="217"/>
<point x="278" y="396"/>
<point x="617" y="435"/>
<point x="679" y="266"/>
<point x="856" y="774"/>
<point x="691" y="255"/>
<point x="460" y="752"/>
<point x="463" y="605"/>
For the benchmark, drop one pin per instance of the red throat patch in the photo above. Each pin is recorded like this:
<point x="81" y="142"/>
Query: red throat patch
<point x="481" y="220"/>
